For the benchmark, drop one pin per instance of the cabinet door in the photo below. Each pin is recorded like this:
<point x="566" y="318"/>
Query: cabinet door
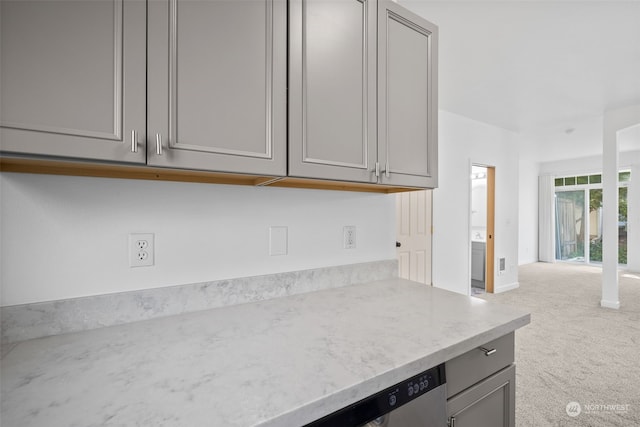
<point x="489" y="403"/>
<point x="332" y="89"/>
<point x="477" y="261"/>
<point x="407" y="97"/>
<point x="217" y="85"/>
<point x="72" y="78"/>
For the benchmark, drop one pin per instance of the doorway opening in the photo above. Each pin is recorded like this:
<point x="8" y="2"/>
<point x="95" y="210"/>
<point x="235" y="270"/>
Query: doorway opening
<point x="482" y="224"/>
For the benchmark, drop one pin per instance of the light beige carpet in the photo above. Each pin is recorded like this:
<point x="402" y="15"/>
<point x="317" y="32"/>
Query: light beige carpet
<point x="575" y="351"/>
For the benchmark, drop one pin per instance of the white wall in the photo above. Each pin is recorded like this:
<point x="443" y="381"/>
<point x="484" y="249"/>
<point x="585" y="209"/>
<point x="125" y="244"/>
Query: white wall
<point x="462" y="142"/>
<point x="528" y="203"/>
<point x="580" y="139"/>
<point x="556" y="152"/>
<point x="65" y="237"/>
<point x="587" y="164"/>
<point x="553" y="151"/>
<point x="529" y="171"/>
<point x="479" y="204"/>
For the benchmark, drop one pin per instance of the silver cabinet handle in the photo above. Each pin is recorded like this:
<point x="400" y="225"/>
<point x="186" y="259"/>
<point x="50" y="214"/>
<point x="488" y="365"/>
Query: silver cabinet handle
<point x="134" y="141"/>
<point x="385" y="171"/>
<point x="158" y="144"/>
<point x="452" y="422"/>
<point x="488" y="352"/>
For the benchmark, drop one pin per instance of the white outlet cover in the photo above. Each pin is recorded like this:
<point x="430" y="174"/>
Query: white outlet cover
<point x="349" y="236"/>
<point x="278" y="240"/>
<point x="141" y="249"/>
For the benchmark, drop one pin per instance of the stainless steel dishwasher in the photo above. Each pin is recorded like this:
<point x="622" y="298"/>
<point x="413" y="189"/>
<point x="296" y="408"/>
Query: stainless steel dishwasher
<point x="420" y="401"/>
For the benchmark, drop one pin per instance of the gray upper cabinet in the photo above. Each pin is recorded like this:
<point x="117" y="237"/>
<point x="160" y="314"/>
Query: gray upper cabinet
<point x="72" y="78"/>
<point x="217" y="85"/>
<point x="362" y="93"/>
<point x="407" y="97"/>
<point x="340" y="90"/>
<point x="332" y="84"/>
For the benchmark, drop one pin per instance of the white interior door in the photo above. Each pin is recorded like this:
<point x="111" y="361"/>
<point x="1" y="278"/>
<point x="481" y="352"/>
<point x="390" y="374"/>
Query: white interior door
<point x="413" y="219"/>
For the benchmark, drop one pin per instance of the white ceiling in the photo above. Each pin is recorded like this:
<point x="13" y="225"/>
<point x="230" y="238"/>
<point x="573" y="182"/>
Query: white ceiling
<point x="531" y="65"/>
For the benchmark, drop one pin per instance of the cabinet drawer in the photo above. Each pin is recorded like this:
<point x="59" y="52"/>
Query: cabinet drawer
<point x="477" y="364"/>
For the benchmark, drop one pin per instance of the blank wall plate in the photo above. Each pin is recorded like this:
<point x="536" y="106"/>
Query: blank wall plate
<point x="141" y="249"/>
<point x="278" y="240"/>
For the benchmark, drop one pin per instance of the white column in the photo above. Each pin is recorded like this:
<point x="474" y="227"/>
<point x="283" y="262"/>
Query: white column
<point x="633" y="220"/>
<point x="613" y="122"/>
<point x="610" y="217"/>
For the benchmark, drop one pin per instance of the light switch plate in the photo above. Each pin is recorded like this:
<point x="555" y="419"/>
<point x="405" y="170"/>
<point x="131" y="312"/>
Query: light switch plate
<point x="278" y="240"/>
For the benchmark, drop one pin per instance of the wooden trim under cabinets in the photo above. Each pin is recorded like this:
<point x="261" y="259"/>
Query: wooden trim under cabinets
<point x="100" y="170"/>
<point x="107" y="170"/>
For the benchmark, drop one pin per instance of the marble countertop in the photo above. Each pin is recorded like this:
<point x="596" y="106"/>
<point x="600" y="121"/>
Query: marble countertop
<point x="281" y="362"/>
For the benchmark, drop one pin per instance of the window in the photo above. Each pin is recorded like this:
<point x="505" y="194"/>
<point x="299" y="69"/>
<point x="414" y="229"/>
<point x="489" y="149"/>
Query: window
<point x="578" y="212"/>
<point x="623" y="176"/>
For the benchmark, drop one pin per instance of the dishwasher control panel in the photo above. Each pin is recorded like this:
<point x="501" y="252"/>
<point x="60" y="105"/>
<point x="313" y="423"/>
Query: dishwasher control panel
<point x="385" y="401"/>
<point x="410" y="389"/>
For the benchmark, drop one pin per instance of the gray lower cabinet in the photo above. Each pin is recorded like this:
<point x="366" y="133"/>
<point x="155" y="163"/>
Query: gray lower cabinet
<point x="72" y="78"/>
<point x="217" y="85"/>
<point x="478" y="250"/>
<point x="362" y="93"/>
<point x="490" y="403"/>
<point x="481" y="386"/>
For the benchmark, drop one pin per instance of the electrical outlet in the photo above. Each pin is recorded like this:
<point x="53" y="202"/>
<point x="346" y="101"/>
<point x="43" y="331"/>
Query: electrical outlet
<point x="141" y="249"/>
<point x="349" y="236"/>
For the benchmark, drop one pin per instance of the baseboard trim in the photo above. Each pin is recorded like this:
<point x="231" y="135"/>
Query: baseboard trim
<point x="505" y="288"/>
<point x="610" y="304"/>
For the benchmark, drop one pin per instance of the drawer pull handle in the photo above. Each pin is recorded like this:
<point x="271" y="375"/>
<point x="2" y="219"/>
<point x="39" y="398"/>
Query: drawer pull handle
<point x="452" y="422"/>
<point x="488" y="352"/>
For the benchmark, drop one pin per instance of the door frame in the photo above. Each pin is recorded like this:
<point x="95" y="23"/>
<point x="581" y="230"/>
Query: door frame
<point x="491" y="228"/>
<point x="489" y="274"/>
